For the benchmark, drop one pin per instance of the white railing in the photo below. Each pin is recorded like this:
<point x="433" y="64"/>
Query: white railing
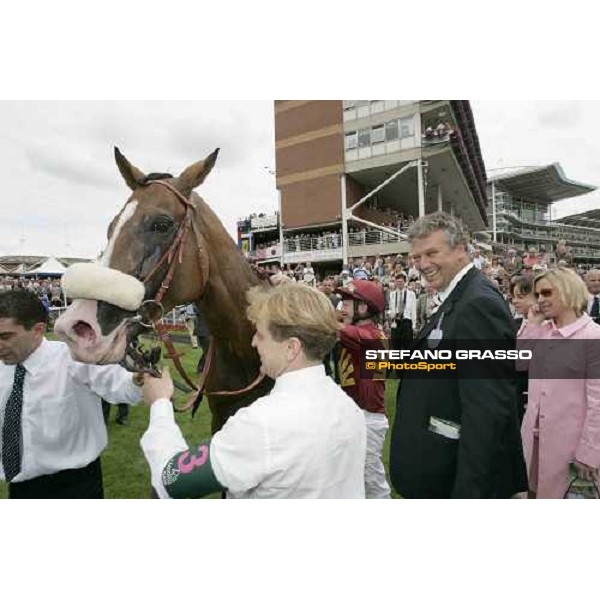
<point x="365" y="238"/>
<point x="311" y="244"/>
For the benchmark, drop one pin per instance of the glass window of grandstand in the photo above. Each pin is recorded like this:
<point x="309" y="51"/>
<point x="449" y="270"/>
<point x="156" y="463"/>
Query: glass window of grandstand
<point x="351" y="140"/>
<point x="349" y="110"/>
<point x="407" y="127"/>
<point x="364" y="143"/>
<point x="384" y="138"/>
<point x="391" y="131"/>
<point x="364" y="138"/>
<point x="377" y="106"/>
<point x="378" y="140"/>
<point x="362" y="109"/>
<point x="392" y="141"/>
<point x="378" y="134"/>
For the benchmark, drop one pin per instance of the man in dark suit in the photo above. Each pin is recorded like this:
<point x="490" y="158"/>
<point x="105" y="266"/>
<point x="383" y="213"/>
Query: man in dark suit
<point x="592" y="281"/>
<point x="456" y="438"/>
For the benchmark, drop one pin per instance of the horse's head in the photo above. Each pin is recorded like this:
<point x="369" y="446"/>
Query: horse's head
<point x="153" y="237"/>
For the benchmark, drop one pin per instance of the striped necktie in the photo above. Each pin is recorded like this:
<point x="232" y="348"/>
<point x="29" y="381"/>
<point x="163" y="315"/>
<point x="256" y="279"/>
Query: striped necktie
<point x="11" y="429"/>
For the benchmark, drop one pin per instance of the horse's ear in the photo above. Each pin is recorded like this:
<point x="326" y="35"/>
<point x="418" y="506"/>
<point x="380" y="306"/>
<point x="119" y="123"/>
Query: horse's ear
<point x="195" y="174"/>
<point x="132" y="175"/>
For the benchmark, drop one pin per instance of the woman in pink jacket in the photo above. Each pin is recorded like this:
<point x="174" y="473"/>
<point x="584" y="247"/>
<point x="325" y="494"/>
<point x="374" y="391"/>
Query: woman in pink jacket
<point x="562" y="422"/>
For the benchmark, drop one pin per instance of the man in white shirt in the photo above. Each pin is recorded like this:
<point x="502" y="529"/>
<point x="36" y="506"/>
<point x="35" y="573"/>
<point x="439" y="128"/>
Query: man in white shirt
<point x="308" y="275"/>
<point x="592" y="281"/>
<point x="402" y="313"/>
<point x="306" y="439"/>
<point x="478" y="261"/>
<point x="51" y="427"/>
<point x="412" y="273"/>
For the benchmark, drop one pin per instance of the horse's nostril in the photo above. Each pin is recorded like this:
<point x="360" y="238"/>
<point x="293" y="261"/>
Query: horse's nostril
<point x="83" y="330"/>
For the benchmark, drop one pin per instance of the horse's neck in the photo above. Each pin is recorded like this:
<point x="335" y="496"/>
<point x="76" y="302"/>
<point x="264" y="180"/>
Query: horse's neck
<point x="224" y="299"/>
<point x="224" y="307"/>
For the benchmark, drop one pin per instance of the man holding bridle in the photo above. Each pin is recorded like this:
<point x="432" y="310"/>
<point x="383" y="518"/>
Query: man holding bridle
<point x="306" y="439"/>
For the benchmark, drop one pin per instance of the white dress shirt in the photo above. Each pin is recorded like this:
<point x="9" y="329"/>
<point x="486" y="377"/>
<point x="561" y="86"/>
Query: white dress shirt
<point x="306" y="439"/>
<point x="62" y="423"/>
<point x="479" y="262"/>
<point x="397" y="297"/>
<point x="443" y="294"/>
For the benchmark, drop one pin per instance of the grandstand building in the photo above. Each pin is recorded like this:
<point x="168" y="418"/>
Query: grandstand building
<point x="350" y="173"/>
<point x="520" y="212"/>
<point x="258" y="237"/>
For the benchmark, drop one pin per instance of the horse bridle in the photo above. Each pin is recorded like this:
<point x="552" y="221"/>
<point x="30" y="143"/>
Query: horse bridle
<point x="154" y="320"/>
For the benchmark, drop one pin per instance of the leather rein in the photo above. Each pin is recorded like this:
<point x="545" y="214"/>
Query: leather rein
<point x="173" y="256"/>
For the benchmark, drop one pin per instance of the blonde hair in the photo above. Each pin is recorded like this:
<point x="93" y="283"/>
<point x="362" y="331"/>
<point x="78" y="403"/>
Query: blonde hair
<point x="571" y="289"/>
<point x="295" y="310"/>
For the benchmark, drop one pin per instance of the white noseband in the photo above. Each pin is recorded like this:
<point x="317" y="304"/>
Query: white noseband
<point x="90" y="281"/>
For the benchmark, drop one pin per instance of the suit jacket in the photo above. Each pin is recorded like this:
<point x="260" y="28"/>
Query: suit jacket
<point x="487" y="460"/>
<point x="589" y="308"/>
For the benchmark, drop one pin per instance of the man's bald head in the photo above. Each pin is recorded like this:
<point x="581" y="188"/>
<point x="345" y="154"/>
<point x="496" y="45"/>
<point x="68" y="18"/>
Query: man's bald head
<point x="592" y="280"/>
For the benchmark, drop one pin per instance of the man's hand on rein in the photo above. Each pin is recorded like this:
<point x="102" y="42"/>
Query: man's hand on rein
<point x="156" y="388"/>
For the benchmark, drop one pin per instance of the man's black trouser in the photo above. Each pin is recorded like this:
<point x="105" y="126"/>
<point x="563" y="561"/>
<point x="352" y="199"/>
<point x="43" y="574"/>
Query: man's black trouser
<point x="401" y="336"/>
<point x="68" y="484"/>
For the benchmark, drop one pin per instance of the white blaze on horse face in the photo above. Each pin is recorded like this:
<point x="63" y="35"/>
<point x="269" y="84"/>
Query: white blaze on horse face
<point x="126" y="214"/>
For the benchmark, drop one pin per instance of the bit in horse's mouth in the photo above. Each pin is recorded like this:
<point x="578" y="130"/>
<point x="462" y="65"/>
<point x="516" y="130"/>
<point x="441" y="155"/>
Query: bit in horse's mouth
<point x="137" y="357"/>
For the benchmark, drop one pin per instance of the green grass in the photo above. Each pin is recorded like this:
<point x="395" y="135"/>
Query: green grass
<point x="126" y="473"/>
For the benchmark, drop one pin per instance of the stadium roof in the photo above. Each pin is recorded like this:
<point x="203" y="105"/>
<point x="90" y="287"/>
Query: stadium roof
<point x="589" y="218"/>
<point x="541" y="184"/>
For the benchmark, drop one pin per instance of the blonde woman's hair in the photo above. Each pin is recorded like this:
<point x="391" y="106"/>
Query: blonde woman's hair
<point x="295" y="310"/>
<point x="570" y="287"/>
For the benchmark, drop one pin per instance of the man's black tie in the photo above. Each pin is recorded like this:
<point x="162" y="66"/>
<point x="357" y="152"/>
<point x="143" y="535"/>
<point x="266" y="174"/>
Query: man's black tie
<point x="11" y="429"/>
<point x="595" y="312"/>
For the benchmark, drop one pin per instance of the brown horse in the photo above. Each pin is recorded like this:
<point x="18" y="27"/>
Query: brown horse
<point x="144" y="241"/>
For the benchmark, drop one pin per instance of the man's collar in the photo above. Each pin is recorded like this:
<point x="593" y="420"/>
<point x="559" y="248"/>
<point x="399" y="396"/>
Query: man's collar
<point x="34" y="362"/>
<point x="443" y="294"/>
<point x="299" y="378"/>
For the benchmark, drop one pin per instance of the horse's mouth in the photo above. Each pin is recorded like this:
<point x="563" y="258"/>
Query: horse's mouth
<point x="86" y="342"/>
<point x="140" y="358"/>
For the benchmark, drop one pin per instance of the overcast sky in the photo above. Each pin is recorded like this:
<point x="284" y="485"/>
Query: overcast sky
<point x="61" y="187"/>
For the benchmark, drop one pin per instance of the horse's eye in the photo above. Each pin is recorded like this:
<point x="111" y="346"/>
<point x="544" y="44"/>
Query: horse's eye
<point x="161" y="226"/>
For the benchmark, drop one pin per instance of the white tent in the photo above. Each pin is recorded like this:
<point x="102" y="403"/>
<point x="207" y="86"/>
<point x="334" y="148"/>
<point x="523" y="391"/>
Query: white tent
<point x="50" y="267"/>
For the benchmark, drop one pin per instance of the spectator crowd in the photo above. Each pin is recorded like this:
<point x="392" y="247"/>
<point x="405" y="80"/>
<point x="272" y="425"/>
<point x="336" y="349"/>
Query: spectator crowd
<point x="544" y="293"/>
<point x="48" y="290"/>
<point x="448" y="440"/>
